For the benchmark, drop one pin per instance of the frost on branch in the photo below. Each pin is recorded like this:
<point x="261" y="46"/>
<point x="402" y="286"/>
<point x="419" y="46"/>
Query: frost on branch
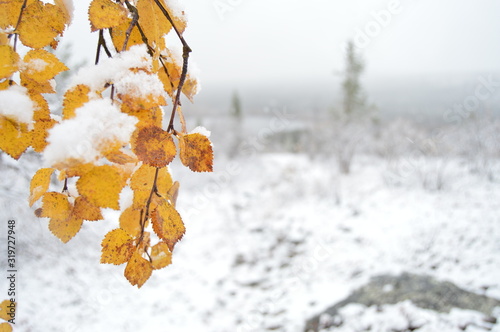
<point x="113" y="136"/>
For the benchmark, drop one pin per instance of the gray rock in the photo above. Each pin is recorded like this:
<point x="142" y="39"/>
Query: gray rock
<point x="424" y="291"/>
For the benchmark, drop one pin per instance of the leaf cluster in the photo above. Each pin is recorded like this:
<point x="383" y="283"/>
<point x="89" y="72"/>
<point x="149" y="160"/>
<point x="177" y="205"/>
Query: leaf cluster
<point x="139" y="78"/>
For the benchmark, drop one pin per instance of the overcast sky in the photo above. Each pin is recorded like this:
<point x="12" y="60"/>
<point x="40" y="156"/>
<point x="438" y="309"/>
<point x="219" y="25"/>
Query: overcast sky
<point x="248" y="41"/>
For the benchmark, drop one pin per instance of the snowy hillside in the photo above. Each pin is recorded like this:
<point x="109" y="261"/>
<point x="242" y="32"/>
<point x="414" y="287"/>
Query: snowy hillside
<point x="271" y="241"/>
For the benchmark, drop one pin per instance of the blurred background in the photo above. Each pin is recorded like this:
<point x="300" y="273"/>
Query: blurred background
<point x="356" y="147"/>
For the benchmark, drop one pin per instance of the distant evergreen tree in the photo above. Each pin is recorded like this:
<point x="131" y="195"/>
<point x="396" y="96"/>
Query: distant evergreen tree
<point x="353" y="101"/>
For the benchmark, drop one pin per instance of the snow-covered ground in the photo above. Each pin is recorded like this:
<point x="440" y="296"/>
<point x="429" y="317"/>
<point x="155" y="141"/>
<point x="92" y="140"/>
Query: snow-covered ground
<point x="271" y="240"/>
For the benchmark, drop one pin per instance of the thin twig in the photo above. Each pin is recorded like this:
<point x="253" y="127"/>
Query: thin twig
<point x="133" y="23"/>
<point x="154" y="189"/>
<point x="185" y="57"/>
<point x="101" y="42"/>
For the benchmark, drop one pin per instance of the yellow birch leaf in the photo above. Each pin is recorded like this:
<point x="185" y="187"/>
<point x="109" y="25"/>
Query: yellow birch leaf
<point x="190" y="88"/>
<point x="35" y="87"/>
<point x="74" y="98"/>
<point x="64" y="9"/>
<point x="142" y="182"/>
<point x="105" y="14"/>
<point x="4" y="40"/>
<point x="154" y="24"/>
<point x="40" y="133"/>
<point x="119" y="33"/>
<point x="116" y="155"/>
<point x="153" y="146"/>
<point x="9" y="60"/>
<point x="151" y="117"/>
<point x="41" y="65"/>
<point x="40" y="24"/>
<point x="5" y="310"/>
<point x="173" y="192"/>
<point x="9" y="12"/>
<point x="55" y="206"/>
<point x="196" y="152"/>
<point x="14" y="137"/>
<point x="143" y="179"/>
<point x="83" y="209"/>
<point x="117" y="247"/>
<point x="5" y="327"/>
<point x="138" y="270"/>
<point x="167" y="224"/>
<point x="101" y="186"/>
<point x="130" y="221"/>
<point x="76" y="169"/>
<point x="141" y="102"/>
<point x="65" y="229"/>
<point x="161" y="255"/>
<point x="39" y="184"/>
<point x="42" y="110"/>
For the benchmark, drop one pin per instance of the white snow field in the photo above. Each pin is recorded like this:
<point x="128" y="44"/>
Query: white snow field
<point x="272" y="239"/>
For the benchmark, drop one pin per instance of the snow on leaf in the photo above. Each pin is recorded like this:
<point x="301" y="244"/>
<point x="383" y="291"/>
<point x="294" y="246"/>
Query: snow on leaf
<point x="118" y="35"/>
<point x="85" y="210"/>
<point x="117" y="247"/>
<point x="65" y="229"/>
<point x="153" y="146"/>
<point x="105" y="14"/>
<point x="167" y="224"/>
<point x="101" y="186"/>
<point x="41" y="65"/>
<point x="14" y="137"/>
<point x="8" y="61"/>
<point x="55" y="206"/>
<point x="97" y="125"/>
<point x="16" y="104"/>
<point x="39" y="184"/>
<point x="5" y="327"/>
<point x="138" y="270"/>
<point x="4" y="309"/>
<point x="40" y="24"/>
<point x="161" y="255"/>
<point x="196" y="152"/>
<point x="74" y="98"/>
<point x="140" y="90"/>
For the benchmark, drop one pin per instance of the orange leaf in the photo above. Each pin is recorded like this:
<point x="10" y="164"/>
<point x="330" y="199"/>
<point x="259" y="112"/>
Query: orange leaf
<point x="8" y="61"/>
<point x="83" y="209"/>
<point x="153" y="22"/>
<point x="153" y="146"/>
<point x="39" y="184"/>
<point x="167" y="224"/>
<point x="14" y="137"/>
<point x="161" y="255"/>
<point x="65" y="229"/>
<point x="5" y="310"/>
<point x="116" y="155"/>
<point x="42" y="66"/>
<point x="130" y="221"/>
<point x="105" y="14"/>
<point x="41" y="24"/>
<point x="101" y="186"/>
<point x="55" y="206"/>
<point x="117" y="247"/>
<point x="138" y="270"/>
<point x="142" y="182"/>
<point x="196" y="152"/>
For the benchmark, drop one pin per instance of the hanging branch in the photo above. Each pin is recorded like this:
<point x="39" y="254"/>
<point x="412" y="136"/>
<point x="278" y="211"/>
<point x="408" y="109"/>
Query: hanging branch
<point x="185" y="56"/>
<point x="101" y="42"/>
